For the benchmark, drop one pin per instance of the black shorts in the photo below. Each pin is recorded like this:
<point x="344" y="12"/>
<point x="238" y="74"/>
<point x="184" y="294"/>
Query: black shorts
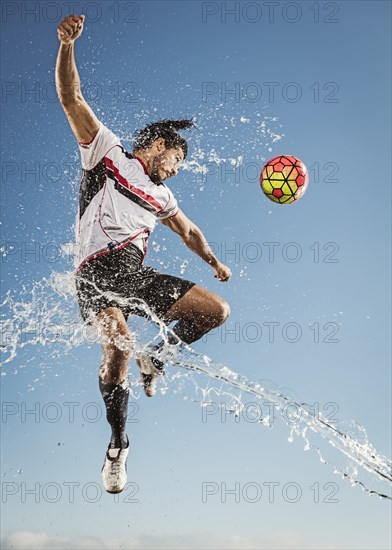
<point x="119" y="279"/>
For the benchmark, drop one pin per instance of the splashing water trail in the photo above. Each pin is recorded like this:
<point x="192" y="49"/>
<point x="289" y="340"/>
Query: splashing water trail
<point x="46" y="316"/>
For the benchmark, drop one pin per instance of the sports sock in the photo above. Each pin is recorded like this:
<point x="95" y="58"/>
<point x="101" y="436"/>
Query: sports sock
<point x="187" y="331"/>
<point x="116" y="401"/>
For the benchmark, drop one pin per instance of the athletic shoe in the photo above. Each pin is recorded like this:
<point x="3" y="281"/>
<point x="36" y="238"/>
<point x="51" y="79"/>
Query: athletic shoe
<point x="114" y="470"/>
<point x="150" y="368"/>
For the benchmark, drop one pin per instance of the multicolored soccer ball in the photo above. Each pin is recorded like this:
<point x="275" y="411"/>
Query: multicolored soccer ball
<point x="284" y="179"/>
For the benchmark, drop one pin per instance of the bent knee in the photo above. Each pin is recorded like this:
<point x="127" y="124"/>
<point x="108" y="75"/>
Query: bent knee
<point x="223" y="310"/>
<point x="112" y="321"/>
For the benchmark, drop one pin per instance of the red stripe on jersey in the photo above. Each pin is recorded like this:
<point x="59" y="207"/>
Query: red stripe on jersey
<point x="119" y="247"/>
<point x="174" y="215"/>
<point x="142" y="163"/>
<point x="125" y="183"/>
<point x="96" y="255"/>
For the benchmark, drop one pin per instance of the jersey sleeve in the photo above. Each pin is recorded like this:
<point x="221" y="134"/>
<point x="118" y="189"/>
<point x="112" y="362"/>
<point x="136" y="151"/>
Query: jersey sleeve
<point x="91" y="153"/>
<point x="171" y="208"/>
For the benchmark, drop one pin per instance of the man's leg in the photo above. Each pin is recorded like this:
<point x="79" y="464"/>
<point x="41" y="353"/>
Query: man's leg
<point x="197" y="312"/>
<point x="113" y="383"/>
<point x="113" y="379"/>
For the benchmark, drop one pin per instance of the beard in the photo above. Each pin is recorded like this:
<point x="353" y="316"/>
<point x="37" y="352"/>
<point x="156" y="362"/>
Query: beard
<point x="155" y="177"/>
<point x="156" y="163"/>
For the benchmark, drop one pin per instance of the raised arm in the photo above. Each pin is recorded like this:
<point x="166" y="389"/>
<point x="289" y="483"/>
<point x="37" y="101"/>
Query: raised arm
<point x="84" y="123"/>
<point x="195" y="241"/>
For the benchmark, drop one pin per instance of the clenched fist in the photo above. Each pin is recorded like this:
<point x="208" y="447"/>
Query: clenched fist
<point x="222" y="273"/>
<point x="70" y="28"/>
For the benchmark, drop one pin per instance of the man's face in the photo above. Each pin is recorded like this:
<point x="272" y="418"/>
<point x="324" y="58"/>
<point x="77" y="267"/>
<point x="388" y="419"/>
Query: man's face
<point x="166" y="164"/>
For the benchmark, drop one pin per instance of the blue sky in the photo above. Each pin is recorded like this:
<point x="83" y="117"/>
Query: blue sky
<point x="322" y="90"/>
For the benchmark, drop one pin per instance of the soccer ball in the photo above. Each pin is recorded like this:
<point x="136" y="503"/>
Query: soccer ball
<point x="284" y="179"/>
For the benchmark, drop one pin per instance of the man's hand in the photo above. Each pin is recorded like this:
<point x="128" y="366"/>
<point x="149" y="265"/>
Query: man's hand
<point x="70" y="28"/>
<point x="222" y="272"/>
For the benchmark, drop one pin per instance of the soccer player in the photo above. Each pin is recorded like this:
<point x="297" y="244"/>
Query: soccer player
<point x="121" y="196"/>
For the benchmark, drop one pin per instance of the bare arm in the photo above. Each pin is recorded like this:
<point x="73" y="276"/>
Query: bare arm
<point x="82" y="119"/>
<point x="195" y="241"/>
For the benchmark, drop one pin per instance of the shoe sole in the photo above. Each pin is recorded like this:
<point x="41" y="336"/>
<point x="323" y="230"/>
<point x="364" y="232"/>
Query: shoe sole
<point x="115" y="492"/>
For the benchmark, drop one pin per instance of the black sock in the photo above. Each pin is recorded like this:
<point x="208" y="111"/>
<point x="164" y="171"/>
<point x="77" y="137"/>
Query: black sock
<point x="187" y="331"/>
<point x="116" y="401"/>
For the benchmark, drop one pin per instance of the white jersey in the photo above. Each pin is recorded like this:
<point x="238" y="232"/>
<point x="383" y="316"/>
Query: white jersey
<point x="118" y="202"/>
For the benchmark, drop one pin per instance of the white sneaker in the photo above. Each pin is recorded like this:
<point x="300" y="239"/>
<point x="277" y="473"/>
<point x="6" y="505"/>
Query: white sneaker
<point x="114" y="470"/>
<point x="150" y="368"/>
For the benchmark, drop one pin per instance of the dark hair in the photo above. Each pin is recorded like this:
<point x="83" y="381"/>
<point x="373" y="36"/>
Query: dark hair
<point x="168" y="130"/>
